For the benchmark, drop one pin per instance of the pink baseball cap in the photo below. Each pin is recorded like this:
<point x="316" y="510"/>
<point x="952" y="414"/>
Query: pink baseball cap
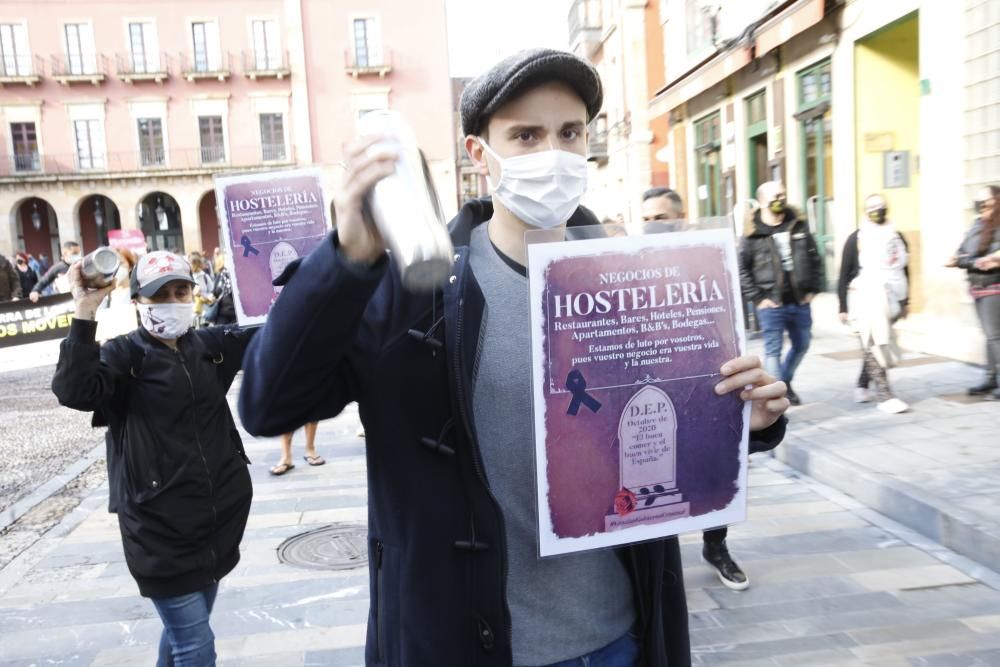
<point x="156" y="269"/>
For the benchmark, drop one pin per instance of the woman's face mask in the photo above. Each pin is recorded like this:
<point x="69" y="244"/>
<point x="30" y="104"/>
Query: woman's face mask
<point x="542" y="189"/>
<point x="166" y="320"/>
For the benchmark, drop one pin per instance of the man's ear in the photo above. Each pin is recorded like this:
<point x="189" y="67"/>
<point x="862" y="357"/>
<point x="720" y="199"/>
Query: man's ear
<point x="475" y="150"/>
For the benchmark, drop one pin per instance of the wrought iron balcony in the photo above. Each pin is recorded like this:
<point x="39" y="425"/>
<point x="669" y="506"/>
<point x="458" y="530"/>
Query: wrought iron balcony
<point x="274" y="152"/>
<point x="143" y="163"/>
<point x="361" y="63"/>
<point x="140" y="67"/>
<point x="79" y="68"/>
<point x="265" y="65"/>
<point x="585" y="27"/>
<point x="21" y="69"/>
<point x="203" y="67"/>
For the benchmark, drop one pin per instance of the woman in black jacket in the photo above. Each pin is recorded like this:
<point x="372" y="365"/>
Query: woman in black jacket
<point x="979" y="255"/>
<point x="176" y="466"/>
<point x="25" y="274"/>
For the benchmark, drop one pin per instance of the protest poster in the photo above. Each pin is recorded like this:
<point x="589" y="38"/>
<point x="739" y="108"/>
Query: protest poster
<point x="127" y="239"/>
<point x="23" y="322"/>
<point x="269" y="219"/>
<point x="628" y="338"/>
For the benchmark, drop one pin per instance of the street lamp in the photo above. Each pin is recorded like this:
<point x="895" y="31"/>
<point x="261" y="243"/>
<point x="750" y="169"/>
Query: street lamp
<point x="98" y="213"/>
<point x="36" y="217"/>
<point x="161" y="215"/>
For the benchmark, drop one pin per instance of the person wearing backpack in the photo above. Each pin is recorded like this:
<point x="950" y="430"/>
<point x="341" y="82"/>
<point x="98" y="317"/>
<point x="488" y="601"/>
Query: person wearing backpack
<point x="176" y="466"/>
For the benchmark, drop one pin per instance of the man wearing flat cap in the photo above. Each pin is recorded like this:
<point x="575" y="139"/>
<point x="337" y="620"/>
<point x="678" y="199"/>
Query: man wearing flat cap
<point x="442" y="382"/>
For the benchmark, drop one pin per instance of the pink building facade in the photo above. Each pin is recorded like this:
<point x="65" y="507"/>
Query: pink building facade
<point x="118" y="114"/>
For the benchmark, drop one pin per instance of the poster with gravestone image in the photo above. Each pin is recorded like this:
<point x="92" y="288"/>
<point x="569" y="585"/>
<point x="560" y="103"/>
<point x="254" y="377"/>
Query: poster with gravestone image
<point x="269" y="219"/>
<point x="628" y="338"/>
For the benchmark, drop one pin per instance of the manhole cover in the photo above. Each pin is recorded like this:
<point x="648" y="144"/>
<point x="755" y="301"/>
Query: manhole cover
<point x="333" y="547"/>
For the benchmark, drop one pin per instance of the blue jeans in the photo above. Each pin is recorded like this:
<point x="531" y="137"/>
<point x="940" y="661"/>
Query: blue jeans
<point x="623" y="652"/>
<point x="187" y="640"/>
<point x="797" y="320"/>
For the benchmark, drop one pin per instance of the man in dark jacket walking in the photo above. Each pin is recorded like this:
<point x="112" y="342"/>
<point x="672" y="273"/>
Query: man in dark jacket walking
<point x="443" y="394"/>
<point x="70" y="254"/>
<point x="10" y="282"/>
<point x="780" y="273"/>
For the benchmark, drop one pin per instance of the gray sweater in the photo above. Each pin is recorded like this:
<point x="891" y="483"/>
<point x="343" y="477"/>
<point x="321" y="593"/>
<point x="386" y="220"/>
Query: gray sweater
<point x="564" y="607"/>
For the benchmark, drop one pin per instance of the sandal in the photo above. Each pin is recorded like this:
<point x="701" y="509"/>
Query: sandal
<point x="282" y="468"/>
<point x="315" y="460"/>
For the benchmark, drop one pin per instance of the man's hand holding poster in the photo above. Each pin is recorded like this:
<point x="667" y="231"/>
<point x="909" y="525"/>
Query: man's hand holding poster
<point x="269" y="220"/>
<point x="628" y="338"/>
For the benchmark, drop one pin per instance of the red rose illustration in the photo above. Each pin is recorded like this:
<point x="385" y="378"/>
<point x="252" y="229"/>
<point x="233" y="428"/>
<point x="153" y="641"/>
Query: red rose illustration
<point x="624" y="502"/>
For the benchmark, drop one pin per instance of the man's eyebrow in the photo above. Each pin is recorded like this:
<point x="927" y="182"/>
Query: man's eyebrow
<point x="518" y="129"/>
<point x="574" y="125"/>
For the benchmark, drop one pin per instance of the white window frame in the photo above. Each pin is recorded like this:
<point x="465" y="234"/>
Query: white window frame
<point x="213" y="42"/>
<point x="369" y="99"/>
<point x="376" y="41"/>
<point x="274" y="57"/>
<point x="152" y="55"/>
<point x="150" y="107"/>
<point x="24" y="63"/>
<point x="212" y="106"/>
<point x="23" y="112"/>
<point x="88" y="111"/>
<point x="88" y="60"/>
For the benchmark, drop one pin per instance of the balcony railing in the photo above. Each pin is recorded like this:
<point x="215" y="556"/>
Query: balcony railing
<point x="273" y="152"/>
<point x="213" y="154"/>
<point x="78" y="68"/>
<point x="197" y="68"/>
<point x="585" y="27"/>
<point x="263" y="65"/>
<point x="136" y="67"/>
<point x="21" y="69"/>
<point x="366" y="62"/>
<point x="152" y="157"/>
<point x="26" y="162"/>
<point x="145" y="162"/>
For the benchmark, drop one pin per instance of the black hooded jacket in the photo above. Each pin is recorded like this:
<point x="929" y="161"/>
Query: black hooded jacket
<point x="341" y="333"/>
<point x="176" y="465"/>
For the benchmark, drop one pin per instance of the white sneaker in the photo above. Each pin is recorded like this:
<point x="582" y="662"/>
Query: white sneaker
<point x="893" y="406"/>
<point x="861" y="395"/>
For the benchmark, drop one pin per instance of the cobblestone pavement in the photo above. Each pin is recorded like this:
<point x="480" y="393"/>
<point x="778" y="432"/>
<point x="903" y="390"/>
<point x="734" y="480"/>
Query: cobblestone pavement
<point x="40" y="438"/>
<point x="833" y="583"/>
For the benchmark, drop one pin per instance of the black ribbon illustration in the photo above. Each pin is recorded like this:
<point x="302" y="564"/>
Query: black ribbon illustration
<point x="248" y="247"/>
<point x="578" y="387"/>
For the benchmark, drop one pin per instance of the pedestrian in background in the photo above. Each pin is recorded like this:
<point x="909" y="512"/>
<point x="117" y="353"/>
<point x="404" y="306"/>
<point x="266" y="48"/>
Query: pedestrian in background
<point x="223" y="308"/>
<point x="311" y="456"/>
<point x="10" y="281"/>
<point x="203" y="288"/>
<point x="874" y="292"/>
<point x="662" y="211"/>
<point x="176" y="467"/>
<point x="780" y="273"/>
<point x="979" y="255"/>
<point x="54" y="277"/>
<point x="27" y="276"/>
<point x="456" y="578"/>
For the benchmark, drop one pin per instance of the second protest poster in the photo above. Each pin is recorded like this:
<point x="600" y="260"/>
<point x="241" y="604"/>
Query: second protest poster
<point x="628" y="337"/>
<point x="270" y="219"/>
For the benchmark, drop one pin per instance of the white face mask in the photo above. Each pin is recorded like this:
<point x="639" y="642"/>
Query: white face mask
<point x="166" y="320"/>
<point x="541" y="189"/>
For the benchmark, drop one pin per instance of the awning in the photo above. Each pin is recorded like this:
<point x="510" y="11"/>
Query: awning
<point x="790" y="21"/>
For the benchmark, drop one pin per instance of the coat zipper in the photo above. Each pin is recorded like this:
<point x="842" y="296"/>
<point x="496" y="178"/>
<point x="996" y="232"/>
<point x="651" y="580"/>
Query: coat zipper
<point x="379" y="630"/>
<point x="208" y="473"/>
<point x="463" y="414"/>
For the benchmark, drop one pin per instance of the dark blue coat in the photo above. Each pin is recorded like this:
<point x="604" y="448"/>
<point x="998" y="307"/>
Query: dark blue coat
<point x="340" y="333"/>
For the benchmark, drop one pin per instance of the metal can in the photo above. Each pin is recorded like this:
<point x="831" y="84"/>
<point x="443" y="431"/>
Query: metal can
<point x="99" y="267"/>
<point x="406" y="210"/>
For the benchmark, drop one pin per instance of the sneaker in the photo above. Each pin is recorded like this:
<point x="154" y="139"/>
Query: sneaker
<point x="861" y="395"/>
<point x="717" y="555"/>
<point x="792" y="397"/>
<point x="987" y="387"/>
<point x="893" y="406"/>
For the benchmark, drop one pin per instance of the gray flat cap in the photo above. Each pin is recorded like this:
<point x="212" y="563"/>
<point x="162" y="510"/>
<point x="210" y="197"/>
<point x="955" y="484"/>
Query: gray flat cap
<point x="516" y="74"/>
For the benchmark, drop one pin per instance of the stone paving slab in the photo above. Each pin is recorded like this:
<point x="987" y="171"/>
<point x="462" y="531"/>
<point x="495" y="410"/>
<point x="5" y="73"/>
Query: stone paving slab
<point x="833" y="583"/>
